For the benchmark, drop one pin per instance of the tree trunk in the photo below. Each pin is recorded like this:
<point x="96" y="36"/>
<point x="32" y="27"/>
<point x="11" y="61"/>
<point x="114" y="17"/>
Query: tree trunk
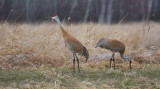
<point x="73" y="7"/>
<point x="109" y="12"/>
<point x="149" y="10"/>
<point x="102" y="13"/>
<point x="87" y="11"/>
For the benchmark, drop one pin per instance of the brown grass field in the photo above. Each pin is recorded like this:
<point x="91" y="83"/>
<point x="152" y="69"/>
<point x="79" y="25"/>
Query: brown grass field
<point x="34" y="56"/>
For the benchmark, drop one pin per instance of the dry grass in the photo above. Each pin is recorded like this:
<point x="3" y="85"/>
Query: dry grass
<point x="30" y="46"/>
<point x="33" y="45"/>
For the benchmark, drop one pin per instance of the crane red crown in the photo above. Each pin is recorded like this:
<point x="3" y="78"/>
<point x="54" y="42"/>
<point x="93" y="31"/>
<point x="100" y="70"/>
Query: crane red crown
<point x="54" y="15"/>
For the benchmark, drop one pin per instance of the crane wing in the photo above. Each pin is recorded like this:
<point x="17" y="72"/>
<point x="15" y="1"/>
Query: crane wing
<point x="74" y="45"/>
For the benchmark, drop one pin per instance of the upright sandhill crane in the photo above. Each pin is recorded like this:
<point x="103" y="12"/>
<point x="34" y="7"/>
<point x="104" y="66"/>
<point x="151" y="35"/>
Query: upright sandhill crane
<point x="114" y="46"/>
<point x="72" y="44"/>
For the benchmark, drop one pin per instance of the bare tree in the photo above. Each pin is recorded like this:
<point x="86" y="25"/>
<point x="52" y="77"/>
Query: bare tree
<point x="149" y="10"/>
<point x="100" y="11"/>
<point x="2" y="3"/>
<point x="73" y="7"/>
<point x="109" y="12"/>
<point x="103" y="11"/>
<point x="87" y="11"/>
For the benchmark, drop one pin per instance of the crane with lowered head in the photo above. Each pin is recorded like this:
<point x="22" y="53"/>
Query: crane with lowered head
<point x="114" y="46"/>
<point x="74" y="45"/>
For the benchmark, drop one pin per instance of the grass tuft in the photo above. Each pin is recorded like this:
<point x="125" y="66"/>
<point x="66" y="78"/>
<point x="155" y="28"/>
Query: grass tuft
<point x="33" y="56"/>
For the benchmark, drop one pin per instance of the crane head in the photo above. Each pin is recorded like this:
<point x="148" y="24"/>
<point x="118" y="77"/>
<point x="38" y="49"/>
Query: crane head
<point x="129" y="60"/>
<point x="86" y="54"/>
<point x="56" y="18"/>
<point x="100" y="43"/>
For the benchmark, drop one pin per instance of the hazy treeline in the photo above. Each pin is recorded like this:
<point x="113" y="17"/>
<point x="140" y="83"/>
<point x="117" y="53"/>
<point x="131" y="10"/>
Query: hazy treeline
<point x="101" y="11"/>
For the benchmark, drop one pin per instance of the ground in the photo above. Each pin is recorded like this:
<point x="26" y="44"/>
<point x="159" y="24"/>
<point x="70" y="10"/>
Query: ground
<point x="34" y="56"/>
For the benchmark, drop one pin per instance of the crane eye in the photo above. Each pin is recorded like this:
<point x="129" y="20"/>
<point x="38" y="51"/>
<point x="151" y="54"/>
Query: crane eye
<point x="101" y="46"/>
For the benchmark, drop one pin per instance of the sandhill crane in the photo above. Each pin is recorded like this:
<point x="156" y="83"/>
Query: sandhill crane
<point x="72" y="44"/>
<point x="114" y="46"/>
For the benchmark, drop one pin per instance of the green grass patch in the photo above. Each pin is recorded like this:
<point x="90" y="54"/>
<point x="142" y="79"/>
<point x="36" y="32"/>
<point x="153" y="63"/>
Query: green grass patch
<point x="118" y="78"/>
<point x="90" y="78"/>
<point x="18" y="76"/>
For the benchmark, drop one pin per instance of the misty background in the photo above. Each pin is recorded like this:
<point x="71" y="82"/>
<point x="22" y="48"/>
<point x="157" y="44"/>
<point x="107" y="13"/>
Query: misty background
<point x="101" y="11"/>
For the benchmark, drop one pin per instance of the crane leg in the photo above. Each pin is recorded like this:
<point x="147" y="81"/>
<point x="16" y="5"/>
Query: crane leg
<point x="130" y="64"/>
<point x="77" y="63"/>
<point x="113" y="61"/>
<point x="73" y="62"/>
<point x="110" y="62"/>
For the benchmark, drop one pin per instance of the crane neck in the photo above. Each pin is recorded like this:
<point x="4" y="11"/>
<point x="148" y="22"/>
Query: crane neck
<point x="64" y="32"/>
<point x="125" y="58"/>
<point x="58" y="21"/>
